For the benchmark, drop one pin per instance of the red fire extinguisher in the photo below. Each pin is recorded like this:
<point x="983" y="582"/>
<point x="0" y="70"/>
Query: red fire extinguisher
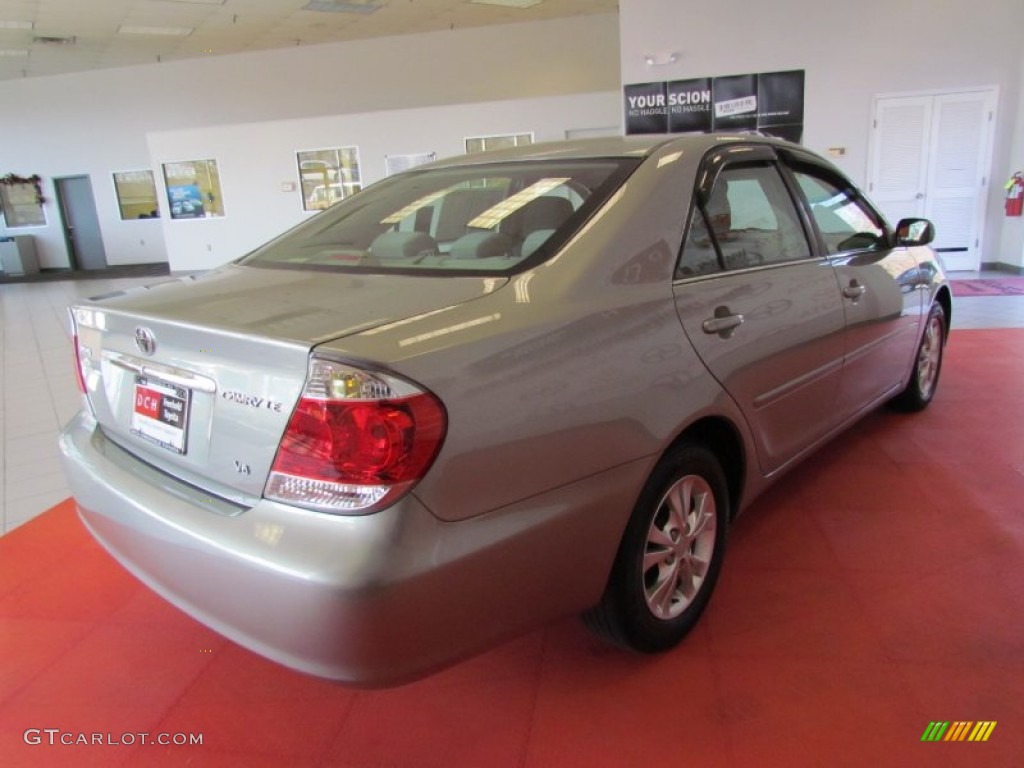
<point x="1015" y="195"/>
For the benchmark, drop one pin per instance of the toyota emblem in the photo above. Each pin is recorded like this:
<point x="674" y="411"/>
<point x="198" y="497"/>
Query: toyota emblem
<point x="145" y="340"/>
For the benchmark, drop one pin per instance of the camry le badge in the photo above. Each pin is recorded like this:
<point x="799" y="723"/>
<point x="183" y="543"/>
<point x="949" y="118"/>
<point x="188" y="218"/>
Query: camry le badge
<point x="145" y="340"/>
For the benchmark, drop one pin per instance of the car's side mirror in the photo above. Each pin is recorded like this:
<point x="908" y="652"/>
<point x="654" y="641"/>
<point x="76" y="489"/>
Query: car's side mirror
<point x="911" y="232"/>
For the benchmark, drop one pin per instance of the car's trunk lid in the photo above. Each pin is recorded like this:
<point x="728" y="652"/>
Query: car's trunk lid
<point x="199" y="377"/>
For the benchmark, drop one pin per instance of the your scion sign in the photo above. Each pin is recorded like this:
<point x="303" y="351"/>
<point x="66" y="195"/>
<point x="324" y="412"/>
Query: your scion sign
<point x="771" y="102"/>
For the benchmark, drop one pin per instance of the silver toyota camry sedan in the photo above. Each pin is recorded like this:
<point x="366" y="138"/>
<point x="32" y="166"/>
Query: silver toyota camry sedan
<point x="494" y="391"/>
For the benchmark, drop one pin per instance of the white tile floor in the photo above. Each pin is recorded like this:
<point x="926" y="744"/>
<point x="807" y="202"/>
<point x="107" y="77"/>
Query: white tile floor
<point x="37" y="382"/>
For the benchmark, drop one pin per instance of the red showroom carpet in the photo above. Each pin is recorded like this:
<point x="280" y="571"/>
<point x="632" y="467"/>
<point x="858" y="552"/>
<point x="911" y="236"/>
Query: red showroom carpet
<point x="875" y="591"/>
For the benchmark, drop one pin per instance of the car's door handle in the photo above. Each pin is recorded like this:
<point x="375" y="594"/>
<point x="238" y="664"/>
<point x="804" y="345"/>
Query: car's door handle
<point x="854" y="290"/>
<point x="723" y="323"/>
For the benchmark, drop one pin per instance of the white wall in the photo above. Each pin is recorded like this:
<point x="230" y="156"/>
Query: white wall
<point x="96" y="122"/>
<point x="850" y="52"/>
<point x="256" y="159"/>
<point x="1012" y="244"/>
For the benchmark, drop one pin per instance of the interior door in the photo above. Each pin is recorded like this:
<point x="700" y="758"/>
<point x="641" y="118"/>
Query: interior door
<point x="898" y="174"/>
<point x="959" y="159"/>
<point x="81" y="223"/>
<point x="930" y="157"/>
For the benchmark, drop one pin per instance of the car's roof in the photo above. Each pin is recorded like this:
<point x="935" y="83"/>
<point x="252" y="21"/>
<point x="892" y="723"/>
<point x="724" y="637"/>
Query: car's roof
<point x="612" y="146"/>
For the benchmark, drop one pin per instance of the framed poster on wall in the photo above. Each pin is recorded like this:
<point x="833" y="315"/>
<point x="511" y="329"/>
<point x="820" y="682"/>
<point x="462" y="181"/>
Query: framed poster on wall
<point x="497" y="141"/>
<point x="21" y="204"/>
<point x="328" y="175"/>
<point x="397" y="163"/>
<point x="136" y="195"/>
<point x="193" y="189"/>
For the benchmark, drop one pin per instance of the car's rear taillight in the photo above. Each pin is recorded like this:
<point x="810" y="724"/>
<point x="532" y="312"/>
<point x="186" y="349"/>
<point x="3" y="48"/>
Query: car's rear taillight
<point x="82" y="318"/>
<point x="356" y="441"/>
<point x="79" y="379"/>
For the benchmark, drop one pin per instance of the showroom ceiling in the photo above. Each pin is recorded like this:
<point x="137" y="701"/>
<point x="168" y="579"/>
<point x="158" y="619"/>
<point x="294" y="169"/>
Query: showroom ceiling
<point x="50" y="37"/>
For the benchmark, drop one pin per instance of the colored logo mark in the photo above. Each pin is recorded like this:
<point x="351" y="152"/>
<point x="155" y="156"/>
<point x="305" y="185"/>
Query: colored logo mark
<point x="961" y="730"/>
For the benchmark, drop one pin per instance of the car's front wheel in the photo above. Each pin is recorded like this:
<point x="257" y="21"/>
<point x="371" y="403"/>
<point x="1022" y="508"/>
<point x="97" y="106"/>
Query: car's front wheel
<point x="670" y="554"/>
<point x="927" y="365"/>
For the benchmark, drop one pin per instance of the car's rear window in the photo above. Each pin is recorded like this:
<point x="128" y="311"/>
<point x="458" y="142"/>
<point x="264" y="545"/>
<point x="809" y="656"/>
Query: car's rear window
<point x="479" y="219"/>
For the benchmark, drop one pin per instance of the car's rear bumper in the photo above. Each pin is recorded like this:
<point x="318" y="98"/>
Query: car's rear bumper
<point x="372" y="599"/>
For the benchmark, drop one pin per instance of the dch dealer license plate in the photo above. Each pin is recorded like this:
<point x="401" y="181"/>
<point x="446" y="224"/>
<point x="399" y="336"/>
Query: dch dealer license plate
<point x="160" y="413"/>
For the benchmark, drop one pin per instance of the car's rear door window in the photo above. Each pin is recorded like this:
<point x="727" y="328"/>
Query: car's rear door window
<point x="699" y="256"/>
<point x="754" y="219"/>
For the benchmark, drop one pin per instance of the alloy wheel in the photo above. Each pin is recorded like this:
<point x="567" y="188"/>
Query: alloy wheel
<point x="680" y="545"/>
<point x="929" y="356"/>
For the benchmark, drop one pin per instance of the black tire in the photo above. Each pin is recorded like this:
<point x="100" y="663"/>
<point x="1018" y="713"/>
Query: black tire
<point x="924" y="378"/>
<point x="681" y="554"/>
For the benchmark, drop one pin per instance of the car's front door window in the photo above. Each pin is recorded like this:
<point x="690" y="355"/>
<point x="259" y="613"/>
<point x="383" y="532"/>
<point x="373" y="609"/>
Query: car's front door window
<point x="845" y="222"/>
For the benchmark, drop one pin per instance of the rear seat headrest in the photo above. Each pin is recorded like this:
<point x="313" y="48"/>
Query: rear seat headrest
<point x="403" y="245"/>
<point x="535" y="240"/>
<point x="483" y="245"/>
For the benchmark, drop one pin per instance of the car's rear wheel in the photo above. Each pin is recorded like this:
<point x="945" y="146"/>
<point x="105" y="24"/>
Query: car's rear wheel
<point x="670" y="554"/>
<point x="927" y="365"/>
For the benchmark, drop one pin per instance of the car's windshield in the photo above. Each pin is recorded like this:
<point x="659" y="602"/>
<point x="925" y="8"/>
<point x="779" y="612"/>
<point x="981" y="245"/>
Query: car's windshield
<point x="488" y="218"/>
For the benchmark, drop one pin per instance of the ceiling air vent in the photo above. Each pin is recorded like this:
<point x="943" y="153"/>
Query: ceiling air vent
<point x="54" y="40"/>
<point x="337" y="6"/>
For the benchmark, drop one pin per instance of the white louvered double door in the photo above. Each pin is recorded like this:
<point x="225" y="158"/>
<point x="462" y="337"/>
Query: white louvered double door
<point x="930" y="156"/>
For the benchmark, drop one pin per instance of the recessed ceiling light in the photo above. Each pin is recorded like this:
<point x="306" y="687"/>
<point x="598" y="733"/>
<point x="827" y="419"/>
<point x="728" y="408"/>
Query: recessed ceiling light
<point x="17" y="25"/>
<point x="55" y="39"/>
<point x="126" y="29"/>
<point x="9" y="52"/>
<point x="195" y="2"/>
<point x="337" y="6"/>
<point x="509" y="3"/>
